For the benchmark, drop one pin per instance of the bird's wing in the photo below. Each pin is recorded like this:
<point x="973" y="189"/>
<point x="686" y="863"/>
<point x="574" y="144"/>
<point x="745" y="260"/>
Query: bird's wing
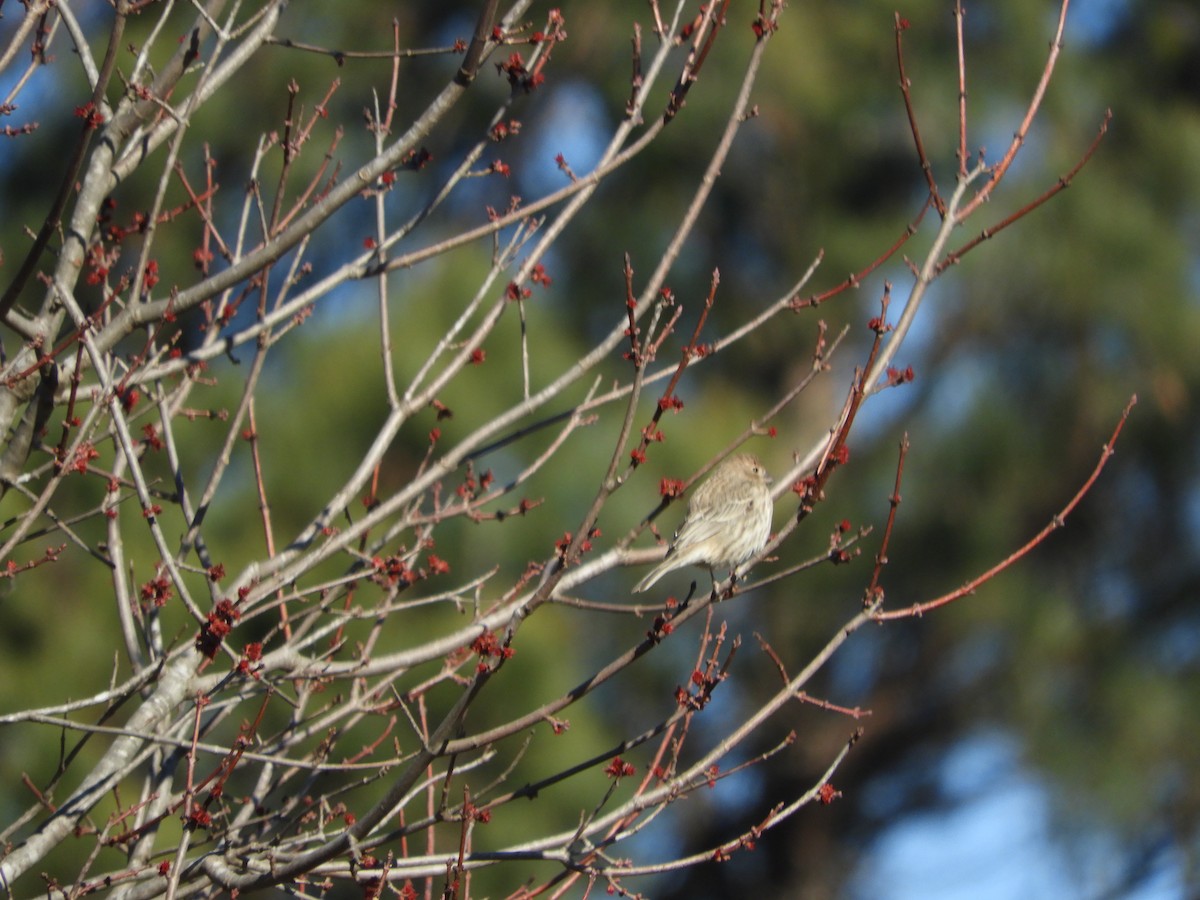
<point x="708" y="516"/>
<point x="696" y="530"/>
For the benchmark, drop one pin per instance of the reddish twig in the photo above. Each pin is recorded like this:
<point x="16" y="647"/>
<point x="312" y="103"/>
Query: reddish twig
<point x="264" y="508"/>
<point x="1001" y="168"/>
<point x="707" y="26"/>
<point x="855" y="278"/>
<point x="292" y="148"/>
<point x="902" y="26"/>
<point x="202" y="255"/>
<point x="874" y="594"/>
<point x="690" y="351"/>
<point x="811" y="489"/>
<point x="1063" y="183"/>
<point x="919" y="609"/>
<point x="394" y="85"/>
<point x="962" y="90"/>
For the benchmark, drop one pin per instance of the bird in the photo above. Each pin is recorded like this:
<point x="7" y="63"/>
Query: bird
<point x="728" y="520"/>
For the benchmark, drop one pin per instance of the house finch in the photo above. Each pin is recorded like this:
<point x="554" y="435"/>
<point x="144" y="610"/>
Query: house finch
<point x="728" y="520"/>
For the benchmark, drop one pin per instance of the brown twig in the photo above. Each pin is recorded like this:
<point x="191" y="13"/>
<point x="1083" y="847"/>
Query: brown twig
<point x="635" y="80"/>
<point x="479" y="41"/>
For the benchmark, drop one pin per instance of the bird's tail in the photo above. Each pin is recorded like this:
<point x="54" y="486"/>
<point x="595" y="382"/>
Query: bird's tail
<point x="648" y="582"/>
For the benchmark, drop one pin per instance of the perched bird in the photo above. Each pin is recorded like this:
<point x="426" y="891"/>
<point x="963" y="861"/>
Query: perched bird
<point x="728" y="520"/>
